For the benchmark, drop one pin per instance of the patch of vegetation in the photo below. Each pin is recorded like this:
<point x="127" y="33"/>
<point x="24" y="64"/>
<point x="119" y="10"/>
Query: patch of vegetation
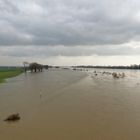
<point x="8" y="73"/>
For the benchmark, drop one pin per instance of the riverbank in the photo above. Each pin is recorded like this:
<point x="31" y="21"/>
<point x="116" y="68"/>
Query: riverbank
<point x="8" y="73"/>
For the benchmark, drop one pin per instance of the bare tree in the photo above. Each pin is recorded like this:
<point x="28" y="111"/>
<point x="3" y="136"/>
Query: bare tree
<point x="25" y="64"/>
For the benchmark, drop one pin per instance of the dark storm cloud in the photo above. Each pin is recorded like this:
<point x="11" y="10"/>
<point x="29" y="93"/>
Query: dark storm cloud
<point x="101" y="24"/>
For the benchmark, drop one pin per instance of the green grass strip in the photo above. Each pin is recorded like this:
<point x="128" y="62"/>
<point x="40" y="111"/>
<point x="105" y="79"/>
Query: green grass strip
<point x="9" y="73"/>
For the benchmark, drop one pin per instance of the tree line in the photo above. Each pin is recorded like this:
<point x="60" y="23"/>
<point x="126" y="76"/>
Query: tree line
<point x="110" y="67"/>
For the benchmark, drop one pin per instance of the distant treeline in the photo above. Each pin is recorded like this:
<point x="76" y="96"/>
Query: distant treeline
<point x="110" y="67"/>
<point x="81" y="66"/>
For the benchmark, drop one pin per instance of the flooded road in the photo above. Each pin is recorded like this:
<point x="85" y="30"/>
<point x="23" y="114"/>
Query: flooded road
<point x="71" y="105"/>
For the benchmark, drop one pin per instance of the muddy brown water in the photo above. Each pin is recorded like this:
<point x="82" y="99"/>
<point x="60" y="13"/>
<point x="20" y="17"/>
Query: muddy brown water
<point x="71" y="105"/>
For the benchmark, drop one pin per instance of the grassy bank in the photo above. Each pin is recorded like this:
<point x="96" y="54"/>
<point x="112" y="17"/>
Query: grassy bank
<point x="8" y="73"/>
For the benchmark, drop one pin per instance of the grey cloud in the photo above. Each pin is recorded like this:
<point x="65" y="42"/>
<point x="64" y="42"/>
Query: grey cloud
<point x="69" y="23"/>
<point x="42" y="52"/>
<point x="6" y="6"/>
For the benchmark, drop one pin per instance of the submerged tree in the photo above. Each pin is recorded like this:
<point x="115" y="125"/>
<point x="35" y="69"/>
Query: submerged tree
<point x="25" y="64"/>
<point x="34" y="67"/>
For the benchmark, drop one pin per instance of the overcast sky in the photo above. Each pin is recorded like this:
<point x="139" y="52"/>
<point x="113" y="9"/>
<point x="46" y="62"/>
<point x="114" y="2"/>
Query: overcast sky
<point x="70" y="32"/>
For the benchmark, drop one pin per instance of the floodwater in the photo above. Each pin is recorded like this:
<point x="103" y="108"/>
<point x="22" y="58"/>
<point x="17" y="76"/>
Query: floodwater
<point x="71" y="105"/>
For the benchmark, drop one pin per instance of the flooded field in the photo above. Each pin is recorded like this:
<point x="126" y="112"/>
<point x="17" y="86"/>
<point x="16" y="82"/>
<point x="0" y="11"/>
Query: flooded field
<point x="71" y="105"/>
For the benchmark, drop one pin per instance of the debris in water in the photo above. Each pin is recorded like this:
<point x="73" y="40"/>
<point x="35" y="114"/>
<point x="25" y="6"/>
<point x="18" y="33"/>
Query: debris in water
<point x="40" y="93"/>
<point x="13" y="117"/>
